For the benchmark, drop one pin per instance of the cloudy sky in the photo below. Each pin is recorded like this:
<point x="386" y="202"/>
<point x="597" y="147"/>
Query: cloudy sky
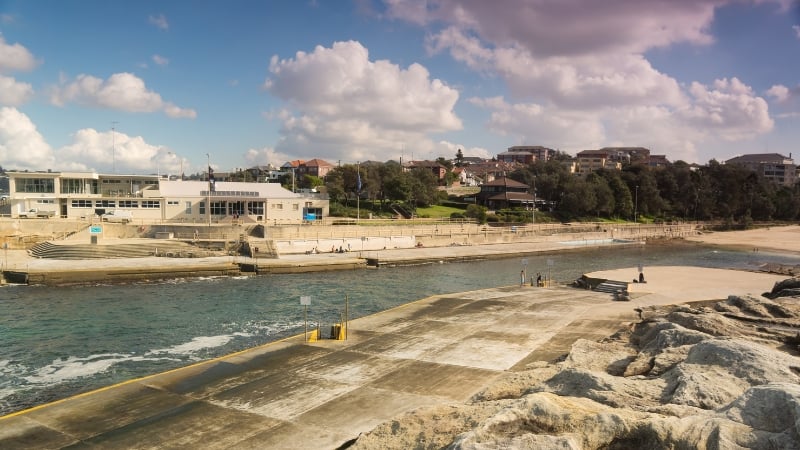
<point x="158" y="87"/>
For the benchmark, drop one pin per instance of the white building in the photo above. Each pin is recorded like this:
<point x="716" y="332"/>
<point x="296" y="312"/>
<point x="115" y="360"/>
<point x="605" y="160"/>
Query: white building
<point x="153" y="198"/>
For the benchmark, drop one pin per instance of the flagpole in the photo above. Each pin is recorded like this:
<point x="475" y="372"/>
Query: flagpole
<point x="208" y="196"/>
<point x="358" y="191"/>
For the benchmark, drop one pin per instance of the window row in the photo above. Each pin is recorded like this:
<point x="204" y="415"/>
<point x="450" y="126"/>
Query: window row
<point x="152" y="204"/>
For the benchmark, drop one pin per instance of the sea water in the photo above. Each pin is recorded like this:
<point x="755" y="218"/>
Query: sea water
<point x="60" y="341"/>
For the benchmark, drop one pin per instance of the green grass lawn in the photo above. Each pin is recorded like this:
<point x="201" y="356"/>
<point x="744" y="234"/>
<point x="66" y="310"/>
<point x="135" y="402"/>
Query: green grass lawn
<point x="437" y="212"/>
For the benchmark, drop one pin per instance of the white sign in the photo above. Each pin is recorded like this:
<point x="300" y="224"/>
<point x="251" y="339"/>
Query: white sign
<point x="524" y="261"/>
<point x="305" y="300"/>
<point x="550" y="263"/>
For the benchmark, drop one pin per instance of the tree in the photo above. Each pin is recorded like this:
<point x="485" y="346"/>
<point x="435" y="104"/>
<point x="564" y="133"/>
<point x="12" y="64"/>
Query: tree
<point x="604" y="204"/>
<point x="424" y="187"/>
<point x="459" y="158"/>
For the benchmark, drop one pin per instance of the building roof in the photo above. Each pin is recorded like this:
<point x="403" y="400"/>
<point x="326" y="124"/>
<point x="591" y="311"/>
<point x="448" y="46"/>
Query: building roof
<point x="317" y="163"/>
<point x="588" y="153"/>
<point x="198" y="188"/>
<point x="760" y="158"/>
<point x="505" y="181"/>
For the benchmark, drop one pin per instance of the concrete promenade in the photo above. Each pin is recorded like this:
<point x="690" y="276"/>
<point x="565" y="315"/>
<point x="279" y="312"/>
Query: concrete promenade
<point x="293" y="394"/>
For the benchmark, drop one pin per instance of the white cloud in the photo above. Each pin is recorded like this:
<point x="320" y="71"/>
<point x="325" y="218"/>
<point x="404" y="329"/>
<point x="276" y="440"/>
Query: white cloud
<point x="15" y="57"/>
<point x="13" y="92"/>
<point x="109" y="151"/>
<point x="160" y="60"/>
<point x="449" y="150"/>
<point x="577" y="74"/>
<point x="570" y="27"/>
<point x="547" y="126"/>
<point x="729" y="109"/>
<point x="344" y="106"/>
<point x="576" y="82"/>
<point x="159" y="21"/>
<point x="779" y="92"/>
<point x="265" y="156"/>
<point x="21" y="145"/>
<point x="121" y="91"/>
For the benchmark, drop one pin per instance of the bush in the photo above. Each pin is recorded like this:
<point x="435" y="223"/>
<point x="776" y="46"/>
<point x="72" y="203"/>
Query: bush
<point x="476" y="212"/>
<point x="456" y="215"/>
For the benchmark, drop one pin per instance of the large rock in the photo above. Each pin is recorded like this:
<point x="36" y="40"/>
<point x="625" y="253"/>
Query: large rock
<point x="713" y="377"/>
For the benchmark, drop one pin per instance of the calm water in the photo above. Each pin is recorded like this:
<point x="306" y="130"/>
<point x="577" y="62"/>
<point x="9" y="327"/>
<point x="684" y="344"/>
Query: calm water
<point x="56" y="342"/>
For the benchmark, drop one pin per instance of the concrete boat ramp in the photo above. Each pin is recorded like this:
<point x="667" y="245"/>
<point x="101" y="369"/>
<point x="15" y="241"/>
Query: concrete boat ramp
<point x="298" y="394"/>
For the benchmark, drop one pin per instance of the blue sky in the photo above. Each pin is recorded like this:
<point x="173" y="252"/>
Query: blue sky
<point x="249" y="82"/>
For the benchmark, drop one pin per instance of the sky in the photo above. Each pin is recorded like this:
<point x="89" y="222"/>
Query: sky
<point x="159" y="87"/>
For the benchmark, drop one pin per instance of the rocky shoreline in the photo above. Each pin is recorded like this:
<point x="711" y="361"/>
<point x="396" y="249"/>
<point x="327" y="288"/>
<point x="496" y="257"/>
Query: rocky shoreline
<point x="714" y="374"/>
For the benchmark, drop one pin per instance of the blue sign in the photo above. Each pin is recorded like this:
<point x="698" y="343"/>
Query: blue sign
<point x="311" y="216"/>
<point x="95" y="229"/>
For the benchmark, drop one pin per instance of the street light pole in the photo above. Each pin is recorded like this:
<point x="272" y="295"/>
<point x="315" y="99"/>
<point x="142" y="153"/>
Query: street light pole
<point x="533" y="210"/>
<point x="636" y="206"/>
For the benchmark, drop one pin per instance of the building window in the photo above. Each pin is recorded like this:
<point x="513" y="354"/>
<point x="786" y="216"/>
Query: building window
<point x="128" y="204"/>
<point x="202" y="211"/>
<point x="295" y="207"/>
<point x="255" y="207"/>
<point x="38" y="185"/>
<point x="105" y="203"/>
<point x="81" y="203"/>
<point x="153" y="204"/>
<point x="188" y="208"/>
<point x="218" y="208"/>
<point x="72" y="186"/>
<point x="46" y="201"/>
<point x="173" y="203"/>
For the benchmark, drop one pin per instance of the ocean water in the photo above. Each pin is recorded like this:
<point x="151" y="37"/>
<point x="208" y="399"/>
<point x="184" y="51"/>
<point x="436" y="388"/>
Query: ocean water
<point x="57" y="342"/>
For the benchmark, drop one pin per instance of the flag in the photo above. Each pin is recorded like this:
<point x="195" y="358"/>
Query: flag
<point x="211" y="181"/>
<point x="358" y="182"/>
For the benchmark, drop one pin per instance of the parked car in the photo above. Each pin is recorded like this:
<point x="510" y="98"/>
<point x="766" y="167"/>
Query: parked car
<point x="34" y="213"/>
<point x="117" y="215"/>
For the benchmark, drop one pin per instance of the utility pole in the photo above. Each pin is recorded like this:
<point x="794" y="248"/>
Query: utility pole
<point x="636" y="206"/>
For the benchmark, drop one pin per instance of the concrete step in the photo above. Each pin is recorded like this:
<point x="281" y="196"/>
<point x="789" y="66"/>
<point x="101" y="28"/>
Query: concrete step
<point x="129" y="250"/>
<point x="611" y="286"/>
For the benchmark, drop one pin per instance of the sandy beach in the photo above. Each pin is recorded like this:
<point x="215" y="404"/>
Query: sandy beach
<point x="776" y="239"/>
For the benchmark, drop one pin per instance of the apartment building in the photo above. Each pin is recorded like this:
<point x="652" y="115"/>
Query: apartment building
<point x="773" y="166"/>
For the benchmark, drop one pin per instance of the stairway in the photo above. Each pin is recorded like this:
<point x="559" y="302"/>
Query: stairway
<point x="173" y="249"/>
<point x="611" y="286"/>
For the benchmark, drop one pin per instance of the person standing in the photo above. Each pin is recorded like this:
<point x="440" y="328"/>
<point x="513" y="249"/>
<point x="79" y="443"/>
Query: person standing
<point x="522" y="278"/>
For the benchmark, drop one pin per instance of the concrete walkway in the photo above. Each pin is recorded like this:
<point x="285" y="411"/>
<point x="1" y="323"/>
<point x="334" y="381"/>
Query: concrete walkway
<point x="293" y="394"/>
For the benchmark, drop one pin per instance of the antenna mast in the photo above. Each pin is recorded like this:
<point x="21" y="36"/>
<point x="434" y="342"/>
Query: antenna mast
<point x="113" y="147"/>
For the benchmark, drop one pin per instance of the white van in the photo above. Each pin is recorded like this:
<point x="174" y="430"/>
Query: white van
<point x="117" y="215"/>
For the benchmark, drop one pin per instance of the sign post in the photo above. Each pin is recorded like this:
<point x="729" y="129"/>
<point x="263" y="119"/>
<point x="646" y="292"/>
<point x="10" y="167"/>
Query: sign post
<point x="305" y="301"/>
